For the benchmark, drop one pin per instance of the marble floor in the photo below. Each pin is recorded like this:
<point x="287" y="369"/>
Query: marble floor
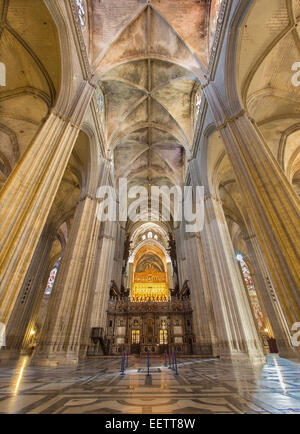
<point x="202" y="386"/>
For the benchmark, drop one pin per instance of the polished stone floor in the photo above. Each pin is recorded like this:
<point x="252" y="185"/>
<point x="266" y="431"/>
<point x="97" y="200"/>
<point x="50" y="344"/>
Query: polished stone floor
<point x="202" y="386"/>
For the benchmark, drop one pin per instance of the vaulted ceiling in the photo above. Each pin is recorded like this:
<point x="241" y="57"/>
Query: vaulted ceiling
<point x="150" y="58"/>
<point x="29" y="47"/>
<point x="269" y="45"/>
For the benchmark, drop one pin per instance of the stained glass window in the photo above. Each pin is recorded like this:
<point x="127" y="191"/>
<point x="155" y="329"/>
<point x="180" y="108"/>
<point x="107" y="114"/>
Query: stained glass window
<point x="252" y="292"/>
<point x="247" y="276"/>
<point x="198" y="100"/>
<point x="52" y="278"/>
<point x="81" y="12"/>
<point x="214" y="15"/>
<point x="215" y="8"/>
<point x="100" y="101"/>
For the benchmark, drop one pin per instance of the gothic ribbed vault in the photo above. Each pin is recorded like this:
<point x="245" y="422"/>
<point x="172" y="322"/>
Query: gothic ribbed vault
<point x="150" y="64"/>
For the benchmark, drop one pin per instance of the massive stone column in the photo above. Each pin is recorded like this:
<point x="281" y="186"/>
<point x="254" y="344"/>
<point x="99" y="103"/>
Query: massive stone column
<point x="119" y="253"/>
<point x="181" y="255"/>
<point x="169" y="275"/>
<point x="191" y="267"/>
<point x="269" y="300"/>
<point x="61" y="337"/>
<point x="27" y="196"/>
<point x="272" y="204"/>
<point x="104" y="272"/>
<point x="30" y="297"/>
<point x="237" y="334"/>
<point x="203" y="317"/>
<point x="129" y="280"/>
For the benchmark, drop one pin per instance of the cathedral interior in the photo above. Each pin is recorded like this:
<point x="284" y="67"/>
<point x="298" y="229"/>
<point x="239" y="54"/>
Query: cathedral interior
<point x="169" y="95"/>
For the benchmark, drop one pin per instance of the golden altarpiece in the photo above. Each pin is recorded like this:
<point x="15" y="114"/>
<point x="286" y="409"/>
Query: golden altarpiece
<point x="149" y="316"/>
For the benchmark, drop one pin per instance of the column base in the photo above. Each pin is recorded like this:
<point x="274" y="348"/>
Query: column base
<point x="55" y="359"/>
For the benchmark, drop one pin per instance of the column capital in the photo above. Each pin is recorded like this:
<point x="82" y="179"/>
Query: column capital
<point x="223" y="113"/>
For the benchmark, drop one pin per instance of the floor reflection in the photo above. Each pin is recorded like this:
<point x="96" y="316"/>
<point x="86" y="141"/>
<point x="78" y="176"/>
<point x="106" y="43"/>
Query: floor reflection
<point x="202" y="386"/>
<point x="23" y="362"/>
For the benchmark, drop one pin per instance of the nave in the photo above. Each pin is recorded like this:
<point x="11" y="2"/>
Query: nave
<point x="149" y="203"/>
